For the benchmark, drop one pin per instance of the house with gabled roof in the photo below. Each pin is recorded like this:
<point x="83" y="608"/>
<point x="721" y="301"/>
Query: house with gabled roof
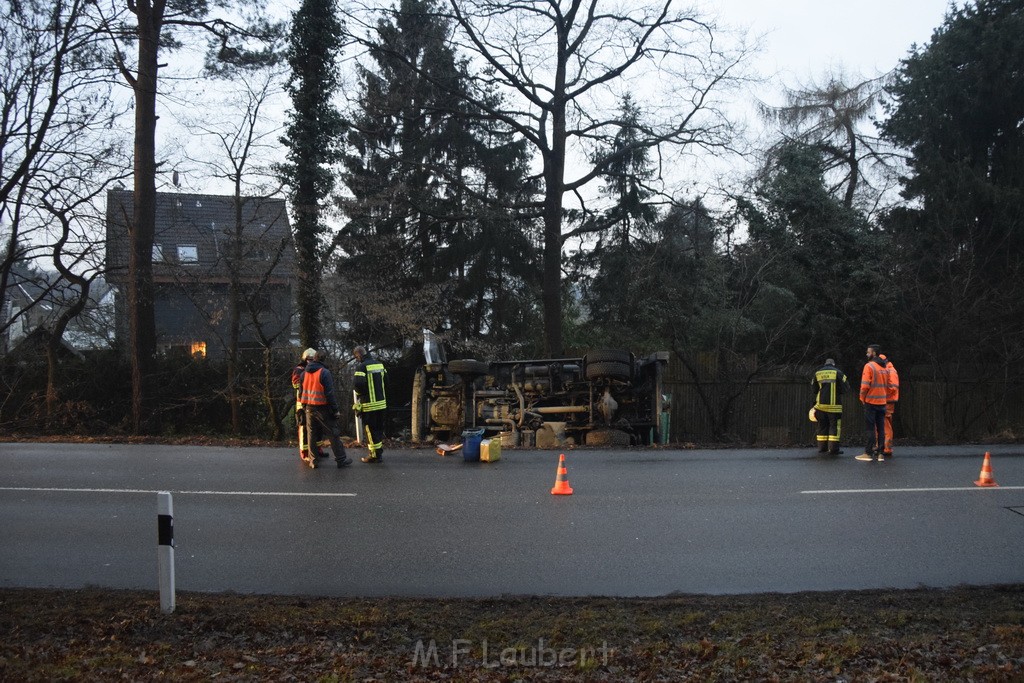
<point x="203" y="244"/>
<point x="36" y="298"/>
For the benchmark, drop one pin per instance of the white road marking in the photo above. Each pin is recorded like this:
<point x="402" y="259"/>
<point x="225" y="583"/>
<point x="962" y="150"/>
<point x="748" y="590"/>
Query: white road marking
<point x="194" y="493"/>
<point x="955" y="488"/>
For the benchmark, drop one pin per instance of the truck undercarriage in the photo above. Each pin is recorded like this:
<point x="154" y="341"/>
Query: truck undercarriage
<point x="606" y="397"/>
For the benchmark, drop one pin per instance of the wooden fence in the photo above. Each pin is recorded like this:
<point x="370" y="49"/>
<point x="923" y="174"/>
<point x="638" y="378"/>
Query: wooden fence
<point x="773" y="411"/>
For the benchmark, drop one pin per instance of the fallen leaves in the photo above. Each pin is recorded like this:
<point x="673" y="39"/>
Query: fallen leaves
<point x="956" y="634"/>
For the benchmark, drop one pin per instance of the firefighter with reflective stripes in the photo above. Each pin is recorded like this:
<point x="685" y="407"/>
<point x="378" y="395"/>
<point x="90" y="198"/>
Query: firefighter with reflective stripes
<point x="829" y="385"/>
<point x="321" y="406"/>
<point x="874" y="394"/>
<point x="371" y="401"/>
<point x="890" y="403"/>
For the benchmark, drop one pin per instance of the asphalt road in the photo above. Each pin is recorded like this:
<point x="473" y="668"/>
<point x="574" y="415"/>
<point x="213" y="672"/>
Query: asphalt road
<point x="640" y="523"/>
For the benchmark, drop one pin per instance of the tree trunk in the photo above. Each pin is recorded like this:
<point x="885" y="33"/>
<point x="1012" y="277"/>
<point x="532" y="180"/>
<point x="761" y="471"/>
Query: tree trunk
<point x="141" y="317"/>
<point x="234" y="312"/>
<point x="51" y="380"/>
<point x="554" y="187"/>
<point x="268" y="392"/>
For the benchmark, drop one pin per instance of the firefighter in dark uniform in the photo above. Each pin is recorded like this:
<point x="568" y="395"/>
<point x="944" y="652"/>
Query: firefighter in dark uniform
<point x="321" y="406"/>
<point x="371" y="401"/>
<point x="829" y="385"/>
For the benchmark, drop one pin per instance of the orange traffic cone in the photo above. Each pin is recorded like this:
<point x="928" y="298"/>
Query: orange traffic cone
<point x="562" y="487"/>
<point x="985" y="478"/>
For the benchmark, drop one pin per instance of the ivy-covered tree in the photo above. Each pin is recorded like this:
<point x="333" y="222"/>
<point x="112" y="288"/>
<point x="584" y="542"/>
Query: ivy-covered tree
<point x="313" y="136"/>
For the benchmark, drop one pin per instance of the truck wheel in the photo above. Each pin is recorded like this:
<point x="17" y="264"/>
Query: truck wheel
<point x="468" y="367"/>
<point x="607" y="370"/>
<point x="608" y="356"/>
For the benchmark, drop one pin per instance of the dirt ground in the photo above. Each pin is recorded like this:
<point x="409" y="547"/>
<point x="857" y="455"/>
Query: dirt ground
<point x="961" y="634"/>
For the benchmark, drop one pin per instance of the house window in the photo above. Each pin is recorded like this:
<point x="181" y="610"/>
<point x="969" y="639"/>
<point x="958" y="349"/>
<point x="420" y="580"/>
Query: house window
<point x="158" y="254"/>
<point x="198" y="349"/>
<point x="188" y="253"/>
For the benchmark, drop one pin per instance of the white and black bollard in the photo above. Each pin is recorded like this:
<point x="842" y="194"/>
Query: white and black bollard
<point x="165" y="549"/>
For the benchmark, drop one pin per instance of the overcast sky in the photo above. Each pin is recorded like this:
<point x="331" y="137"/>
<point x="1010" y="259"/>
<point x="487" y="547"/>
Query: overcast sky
<point x="805" y="38"/>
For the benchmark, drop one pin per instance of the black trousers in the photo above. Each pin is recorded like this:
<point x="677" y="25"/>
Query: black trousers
<point x="830" y="430"/>
<point x="874" y="420"/>
<point x="373" y="425"/>
<point x="322" y="420"/>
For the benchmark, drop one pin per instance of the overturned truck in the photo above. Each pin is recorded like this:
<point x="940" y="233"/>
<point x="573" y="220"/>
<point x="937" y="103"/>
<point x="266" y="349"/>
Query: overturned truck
<point x="606" y="397"/>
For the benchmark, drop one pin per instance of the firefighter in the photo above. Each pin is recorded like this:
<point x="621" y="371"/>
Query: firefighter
<point x="874" y="393"/>
<point x="829" y="385"/>
<point x="320" y="404"/>
<point x="890" y="403"/>
<point x="371" y="401"/>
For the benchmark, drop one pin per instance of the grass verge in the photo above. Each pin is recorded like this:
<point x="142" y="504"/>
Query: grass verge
<point x="915" y="635"/>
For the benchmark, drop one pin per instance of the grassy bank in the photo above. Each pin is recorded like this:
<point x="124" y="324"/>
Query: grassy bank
<point x="917" y="635"/>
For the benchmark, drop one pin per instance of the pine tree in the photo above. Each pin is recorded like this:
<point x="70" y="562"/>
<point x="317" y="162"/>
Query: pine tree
<point x="431" y="182"/>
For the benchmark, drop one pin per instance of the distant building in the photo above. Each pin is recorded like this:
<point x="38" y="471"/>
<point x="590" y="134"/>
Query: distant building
<point x="36" y="298"/>
<point x="201" y="245"/>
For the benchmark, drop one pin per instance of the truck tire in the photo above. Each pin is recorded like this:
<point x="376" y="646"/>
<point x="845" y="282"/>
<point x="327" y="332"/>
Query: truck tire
<point x="607" y="437"/>
<point x="468" y="367"/>
<point x="607" y="370"/>
<point x="608" y="356"/>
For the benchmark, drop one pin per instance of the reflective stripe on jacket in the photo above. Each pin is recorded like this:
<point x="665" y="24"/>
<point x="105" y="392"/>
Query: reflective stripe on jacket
<point x="368" y="380"/>
<point x="829" y="381"/>
<point x="313" y="391"/>
<point x="894" y="381"/>
<point x="874" y="383"/>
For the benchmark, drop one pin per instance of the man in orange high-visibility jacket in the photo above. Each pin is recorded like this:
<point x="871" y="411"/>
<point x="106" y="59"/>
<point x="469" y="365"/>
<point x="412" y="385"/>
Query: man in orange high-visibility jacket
<point x="890" y="403"/>
<point x="874" y="392"/>
<point x="321" y="406"/>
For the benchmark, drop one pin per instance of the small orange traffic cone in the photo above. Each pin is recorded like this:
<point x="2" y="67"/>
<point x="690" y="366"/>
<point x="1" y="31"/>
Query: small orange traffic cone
<point x="562" y="487"/>
<point x="985" y="478"/>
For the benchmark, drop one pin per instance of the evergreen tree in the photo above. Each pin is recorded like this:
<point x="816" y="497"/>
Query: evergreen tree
<point x="617" y="289"/>
<point x="431" y="181"/>
<point x="818" y="255"/>
<point x="312" y="136"/>
<point x="956" y="105"/>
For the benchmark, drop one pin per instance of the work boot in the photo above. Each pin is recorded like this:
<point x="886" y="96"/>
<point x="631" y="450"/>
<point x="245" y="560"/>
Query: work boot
<point x="823" y="448"/>
<point x="370" y="458"/>
<point x="343" y="460"/>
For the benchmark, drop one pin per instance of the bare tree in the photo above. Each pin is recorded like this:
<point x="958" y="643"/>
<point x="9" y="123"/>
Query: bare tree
<point x="562" y="64"/>
<point x="52" y="98"/>
<point x="244" y="150"/>
<point x="151" y="28"/>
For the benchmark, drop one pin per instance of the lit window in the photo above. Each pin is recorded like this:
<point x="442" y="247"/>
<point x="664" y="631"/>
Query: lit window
<point x="188" y="253"/>
<point x="158" y="254"/>
<point x="198" y="349"/>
